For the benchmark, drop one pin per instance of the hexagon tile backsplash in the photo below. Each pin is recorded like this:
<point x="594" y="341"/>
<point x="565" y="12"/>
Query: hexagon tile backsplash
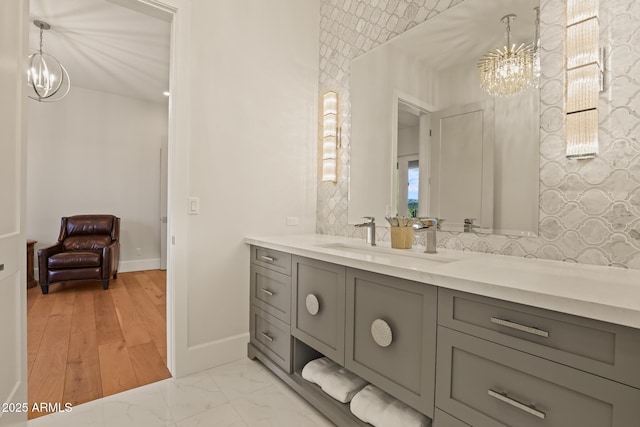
<point x="589" y="209"/>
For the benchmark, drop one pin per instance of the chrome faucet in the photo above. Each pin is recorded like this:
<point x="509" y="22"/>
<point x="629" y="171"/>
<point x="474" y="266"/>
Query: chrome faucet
<point x="370" y="224"/>
<point x="469" y="225"/>
<point x="429" y="226"/>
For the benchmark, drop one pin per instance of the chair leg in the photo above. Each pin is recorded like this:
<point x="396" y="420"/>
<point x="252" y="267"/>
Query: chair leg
<point x="45" y="289"/>
<point x="105" y="284"/>
<point x="115" y="275"/>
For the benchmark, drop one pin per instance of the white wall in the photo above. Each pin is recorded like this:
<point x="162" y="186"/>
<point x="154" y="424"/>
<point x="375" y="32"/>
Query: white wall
<point x="250" y="158"/>
<point x="95" y="152"/>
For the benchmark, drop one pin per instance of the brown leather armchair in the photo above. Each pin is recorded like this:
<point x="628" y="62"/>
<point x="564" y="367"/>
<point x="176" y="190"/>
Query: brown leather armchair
<point x="88" y="248"/>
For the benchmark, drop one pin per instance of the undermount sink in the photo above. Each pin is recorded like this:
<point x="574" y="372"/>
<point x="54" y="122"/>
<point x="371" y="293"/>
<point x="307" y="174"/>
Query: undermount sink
<point x="388" y="251"/>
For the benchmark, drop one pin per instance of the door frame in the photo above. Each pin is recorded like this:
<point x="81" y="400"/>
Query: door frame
<point x="177" y="181"/>
<point x="13" y="357"/>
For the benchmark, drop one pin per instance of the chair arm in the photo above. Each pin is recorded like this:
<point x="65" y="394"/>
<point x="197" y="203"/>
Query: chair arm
<point x="110" y="259"/>
<point x="43" y="256"/>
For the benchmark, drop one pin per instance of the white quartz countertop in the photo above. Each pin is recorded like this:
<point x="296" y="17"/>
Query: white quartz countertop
<point x="604" y="293"/>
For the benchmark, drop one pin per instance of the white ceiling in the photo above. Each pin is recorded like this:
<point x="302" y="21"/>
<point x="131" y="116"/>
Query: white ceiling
<point x="106" y="46"/>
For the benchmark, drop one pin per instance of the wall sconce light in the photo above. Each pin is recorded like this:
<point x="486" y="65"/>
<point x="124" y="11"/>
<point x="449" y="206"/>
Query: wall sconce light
<point x="330" y="136"/>
<point x="585" y="78"/>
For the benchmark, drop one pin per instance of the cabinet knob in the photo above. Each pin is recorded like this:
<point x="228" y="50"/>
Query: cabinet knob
<point x="381" y="333"/>
<point x="313" y="305"/>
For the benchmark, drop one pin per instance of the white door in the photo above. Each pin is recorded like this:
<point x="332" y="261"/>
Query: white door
<point x="462" y="174"/>
<point x="13" y="354"/>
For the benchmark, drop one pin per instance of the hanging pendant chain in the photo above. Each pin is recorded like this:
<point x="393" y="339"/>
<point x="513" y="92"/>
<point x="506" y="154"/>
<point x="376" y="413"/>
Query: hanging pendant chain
<point x="41" y="40"/>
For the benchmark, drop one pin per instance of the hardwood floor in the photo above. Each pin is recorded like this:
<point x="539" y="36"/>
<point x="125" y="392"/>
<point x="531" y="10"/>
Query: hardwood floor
<point x="85" y="343"/>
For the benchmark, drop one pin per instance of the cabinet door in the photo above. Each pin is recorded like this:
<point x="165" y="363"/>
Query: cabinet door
<point x="391" y="336"/>
<point x="318" y="306"/>
<point x="489" y="385"/>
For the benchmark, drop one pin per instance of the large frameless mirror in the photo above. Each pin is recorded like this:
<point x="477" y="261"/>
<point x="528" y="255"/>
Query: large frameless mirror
<point x="427" y="137"/>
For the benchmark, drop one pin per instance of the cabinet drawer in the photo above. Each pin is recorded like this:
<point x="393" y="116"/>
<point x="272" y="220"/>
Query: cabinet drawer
<point x="608" y="350"/>
<point x="271" y="292"/>
<point x="318" y="304"/>
<point x="272" y="337"/>
<point x="271" y="259"/>
<point x="489" y="385"/>
<point x="442" y="419"/>
<point x="391" y="335"/>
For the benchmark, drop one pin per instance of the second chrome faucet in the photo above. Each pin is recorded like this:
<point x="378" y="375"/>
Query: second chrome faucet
<point x="429" y="226"/>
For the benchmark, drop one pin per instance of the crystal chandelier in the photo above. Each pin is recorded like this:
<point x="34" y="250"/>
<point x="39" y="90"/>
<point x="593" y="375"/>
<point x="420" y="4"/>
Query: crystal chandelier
<point x="509" y="70"/>
<point x="46" y="75"/>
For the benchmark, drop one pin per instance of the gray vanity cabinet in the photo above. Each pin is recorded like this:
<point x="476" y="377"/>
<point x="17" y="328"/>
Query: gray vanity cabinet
<point x="391" y="335"/>
<point x="490" y="385"/>
<point x="318" y="299"/>
<point x="464" y="360"/>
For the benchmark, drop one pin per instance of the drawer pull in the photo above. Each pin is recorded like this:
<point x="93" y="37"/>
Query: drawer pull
<point x="519" y="327"/>
<point x="381" y="333"/>
<point x="313" y="305"/>
<point x="267" y="258"/>
<point x="529" y="409"/>
<point x="268" y="292"/>
<point x="267" y="336"/>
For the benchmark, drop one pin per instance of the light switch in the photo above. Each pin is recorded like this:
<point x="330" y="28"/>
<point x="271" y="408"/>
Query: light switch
<point x="194" y="206"/>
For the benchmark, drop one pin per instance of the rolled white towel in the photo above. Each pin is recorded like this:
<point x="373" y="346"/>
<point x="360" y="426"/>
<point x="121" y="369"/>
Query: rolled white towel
<point x="333" y="379"/>
<point x="319" y="368"/>
<point x="378" y="408"/>
<point x="370" y="403"/>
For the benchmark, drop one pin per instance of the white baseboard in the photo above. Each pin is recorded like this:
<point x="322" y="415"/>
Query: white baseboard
<point x="215" y="353"/>
<point x="139" y="265"/>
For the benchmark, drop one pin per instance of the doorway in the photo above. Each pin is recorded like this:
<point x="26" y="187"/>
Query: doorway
<point x="411" y="139"/>
<point x="137" y="300"/>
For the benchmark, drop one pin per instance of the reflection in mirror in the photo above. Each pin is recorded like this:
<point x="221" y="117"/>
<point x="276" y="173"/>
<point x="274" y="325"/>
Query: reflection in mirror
<point x="428" y="141"/>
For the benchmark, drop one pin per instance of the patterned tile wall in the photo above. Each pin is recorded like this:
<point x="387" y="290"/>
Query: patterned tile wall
<point x="589" y="209"/>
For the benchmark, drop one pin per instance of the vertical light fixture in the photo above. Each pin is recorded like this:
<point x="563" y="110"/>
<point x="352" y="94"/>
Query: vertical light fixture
<point x="584" y="78"/>
<point x="330" y="136"/>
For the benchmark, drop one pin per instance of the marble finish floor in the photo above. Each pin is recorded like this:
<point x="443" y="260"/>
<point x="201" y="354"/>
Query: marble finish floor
<point x="239" y="394"/>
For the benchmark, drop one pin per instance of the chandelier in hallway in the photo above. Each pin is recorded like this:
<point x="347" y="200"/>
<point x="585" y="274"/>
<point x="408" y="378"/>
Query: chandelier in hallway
<point x="46" y="76"/>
